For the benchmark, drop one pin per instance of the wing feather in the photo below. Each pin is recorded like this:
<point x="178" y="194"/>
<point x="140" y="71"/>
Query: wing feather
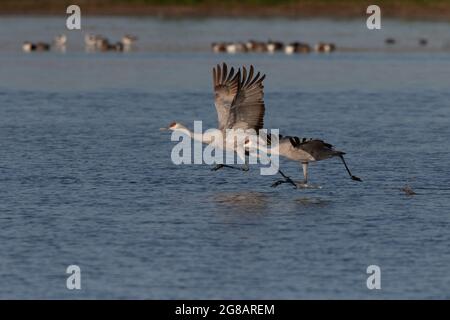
<point x="247" y="110"/>
<point x="239" y="98"/>
<point x="226" y="87"/>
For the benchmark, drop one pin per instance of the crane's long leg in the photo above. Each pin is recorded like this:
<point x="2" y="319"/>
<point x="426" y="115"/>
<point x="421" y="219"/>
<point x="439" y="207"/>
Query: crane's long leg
<point x="286" y="180"/>
<point x="305" y="172"/>
<point x="348" y="170"/>
<point x="244" y="167"/>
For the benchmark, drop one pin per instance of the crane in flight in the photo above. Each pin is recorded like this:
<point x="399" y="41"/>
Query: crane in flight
<point x="304" y="151"/>
<point x="239" y="102"/>
<point x="238" y="98"/>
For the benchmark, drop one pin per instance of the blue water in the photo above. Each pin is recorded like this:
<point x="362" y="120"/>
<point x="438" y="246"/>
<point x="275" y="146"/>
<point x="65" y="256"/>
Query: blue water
<point x="86" y="176"/>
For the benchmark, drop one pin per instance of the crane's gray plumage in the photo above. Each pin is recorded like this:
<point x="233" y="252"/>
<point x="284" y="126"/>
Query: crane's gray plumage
<point x="238" y="98"/>
<point x="225" y="89"/>
<point x="306" y="150"/>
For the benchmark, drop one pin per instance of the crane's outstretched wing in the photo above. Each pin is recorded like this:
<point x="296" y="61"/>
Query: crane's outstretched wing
<point x="247" y="108"/>
<point x="226" y="86"/>
<point x="238" y="100"/>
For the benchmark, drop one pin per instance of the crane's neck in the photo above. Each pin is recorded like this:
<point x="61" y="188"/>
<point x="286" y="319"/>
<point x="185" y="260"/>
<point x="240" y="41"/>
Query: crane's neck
<point x="194" y="135"/>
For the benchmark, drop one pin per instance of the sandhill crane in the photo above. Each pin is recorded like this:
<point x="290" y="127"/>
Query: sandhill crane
<point x="305" y="151"/>
<point x="239" y="104"/>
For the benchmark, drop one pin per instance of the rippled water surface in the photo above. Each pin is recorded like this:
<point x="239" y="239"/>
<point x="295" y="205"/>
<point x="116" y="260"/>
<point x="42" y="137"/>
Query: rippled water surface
<point x="86" y="176"/>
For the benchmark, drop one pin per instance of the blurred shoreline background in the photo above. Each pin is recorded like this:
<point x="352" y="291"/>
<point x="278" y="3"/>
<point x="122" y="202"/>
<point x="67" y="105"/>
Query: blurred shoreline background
<point x="405" y="9"/>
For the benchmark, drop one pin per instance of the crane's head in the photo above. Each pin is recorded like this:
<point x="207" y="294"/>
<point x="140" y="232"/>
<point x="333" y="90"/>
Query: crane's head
<point x="174" y="126"/>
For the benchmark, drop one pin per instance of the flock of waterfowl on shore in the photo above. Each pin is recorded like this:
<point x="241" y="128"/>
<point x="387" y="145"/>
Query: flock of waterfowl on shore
<point x="99" y="43"/>
<point x="59" y="42"/>
<point x="271" y="47"/>
<point x="421" y="41"/>
<point x="92" y="43"/>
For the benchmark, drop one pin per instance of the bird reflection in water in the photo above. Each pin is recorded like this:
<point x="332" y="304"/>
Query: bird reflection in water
<point x="258" y="202"/>
<point x="243" y="202"/>
<point x="312" y="202"/>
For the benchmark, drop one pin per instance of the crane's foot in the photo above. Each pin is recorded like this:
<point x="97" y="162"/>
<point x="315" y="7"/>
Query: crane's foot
<point x="302" y="184"/>
<point x="220" y="166"/>
<point x="356" y="178"/>
<point x="277" y="183"/>
<point x="243" y="168"/>
<point x="286" y="180"/>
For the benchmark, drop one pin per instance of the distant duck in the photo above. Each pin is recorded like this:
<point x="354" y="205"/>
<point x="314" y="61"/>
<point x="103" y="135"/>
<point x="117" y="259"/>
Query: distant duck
<point x="118" y="46"/>
<point x="60" y="40"/>
<point x="101" y="42"/>
<point x="95" y="41"/>
<point x="423" y="42"/>
<point x="390" y="41"/>
<point x="219" y="47"/>
<point x="273" y="46"/>
<point x="289" y="49"/>
<point x="90" y="40"/>
<point x="297" y="47"/>
<point x="408" y="190"/>
<point x="236" y="47"/>
<point x="40" y="46"/>
<point x="325" y="47"/>
<point x="103" y="45"/>
<point x="256" y="46"/>
<point x="129" y="40"/>
<point x="28" y="46"/>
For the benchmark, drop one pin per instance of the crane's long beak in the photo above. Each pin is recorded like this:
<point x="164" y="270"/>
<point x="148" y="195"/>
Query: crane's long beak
<point x="163" y="129"/>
